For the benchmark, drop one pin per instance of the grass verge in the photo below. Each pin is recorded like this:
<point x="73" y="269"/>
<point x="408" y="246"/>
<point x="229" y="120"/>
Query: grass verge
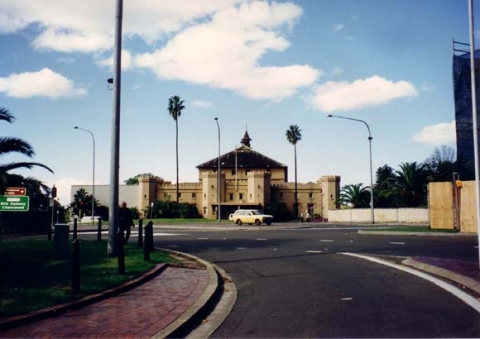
<point x="31" y="279"/>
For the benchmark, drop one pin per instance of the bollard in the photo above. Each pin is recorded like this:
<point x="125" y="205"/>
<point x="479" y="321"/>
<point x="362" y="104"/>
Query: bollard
<point x="148" y="244"/>
<point x="121" y="253"/>
<point x="60" y="241"/>
<point x="49" y="232"/>
<point x="140" y="233"/>
<point x="99" y="230"/>
<point x="76" y="267"/>
<point x="75" y="228"/>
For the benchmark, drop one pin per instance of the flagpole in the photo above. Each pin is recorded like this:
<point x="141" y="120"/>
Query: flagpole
<point x="474" y="115"/>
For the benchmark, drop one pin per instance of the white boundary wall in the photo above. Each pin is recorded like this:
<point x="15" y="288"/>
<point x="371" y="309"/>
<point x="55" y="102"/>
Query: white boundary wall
<point x="382" y="215"/>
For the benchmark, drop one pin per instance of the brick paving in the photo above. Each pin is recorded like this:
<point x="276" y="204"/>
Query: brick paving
<point x="465" y="268"/>
<point x="138" y="313"/>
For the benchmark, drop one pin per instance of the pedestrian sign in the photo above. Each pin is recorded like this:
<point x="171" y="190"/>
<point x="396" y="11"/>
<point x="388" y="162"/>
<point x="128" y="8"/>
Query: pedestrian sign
<point x="14" y="204"/>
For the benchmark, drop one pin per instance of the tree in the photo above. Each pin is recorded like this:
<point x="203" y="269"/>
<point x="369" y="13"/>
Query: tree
<point x="384" y="187"/>
<point x="14" y="145"/>
<point x="175" y="108"/>
<point x="355" y="195"/>
<point x="441" y="164"/>
<point x="134" y="180"/>
<point x="293" y="136"/>
<point x="411" y="184"/>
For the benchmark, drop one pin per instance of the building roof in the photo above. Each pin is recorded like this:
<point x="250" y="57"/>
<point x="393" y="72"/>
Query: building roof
<point x="242" y="157"/>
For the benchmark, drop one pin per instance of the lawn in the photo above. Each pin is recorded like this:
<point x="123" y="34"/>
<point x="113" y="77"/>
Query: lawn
<point x="31" y="279"/>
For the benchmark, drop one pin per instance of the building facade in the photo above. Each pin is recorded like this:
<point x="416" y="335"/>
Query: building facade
<point x="248" y="179"/>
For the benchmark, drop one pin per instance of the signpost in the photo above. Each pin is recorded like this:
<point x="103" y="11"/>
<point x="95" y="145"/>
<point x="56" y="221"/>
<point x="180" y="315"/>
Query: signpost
<point x="14" y="203"/>
<point x="15" y="191"/>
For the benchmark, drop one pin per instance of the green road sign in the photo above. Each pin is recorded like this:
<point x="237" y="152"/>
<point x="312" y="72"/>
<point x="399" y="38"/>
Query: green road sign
<point x="14" y="204"/>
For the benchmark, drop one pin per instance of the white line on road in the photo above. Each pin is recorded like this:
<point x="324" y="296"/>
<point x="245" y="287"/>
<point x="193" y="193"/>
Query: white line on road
<point x="262" y="239"/>
<point x="202" y="238"/>
<point x="326" y="240"/>
<point x="313" y="251"/>
<point x="466" y="298"/>
<point x="241" y="248"/>
<point x="396" y="243"/>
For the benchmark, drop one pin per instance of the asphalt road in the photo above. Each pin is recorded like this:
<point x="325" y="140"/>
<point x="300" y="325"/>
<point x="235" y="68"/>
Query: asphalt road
<point x="297" y="283"/>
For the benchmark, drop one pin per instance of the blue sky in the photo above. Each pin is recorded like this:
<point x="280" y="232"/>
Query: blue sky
<point x="256" y="65"/>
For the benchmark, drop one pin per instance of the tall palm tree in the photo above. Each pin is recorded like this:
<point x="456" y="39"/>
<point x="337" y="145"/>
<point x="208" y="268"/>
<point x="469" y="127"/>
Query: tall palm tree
<point x="293" y="136"/>
<point x="175" y="108"/>
<point x="15" y="145"/>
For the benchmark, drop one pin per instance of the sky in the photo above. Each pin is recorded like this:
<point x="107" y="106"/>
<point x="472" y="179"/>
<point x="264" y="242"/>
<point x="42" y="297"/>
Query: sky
<point x="259" y="66"/>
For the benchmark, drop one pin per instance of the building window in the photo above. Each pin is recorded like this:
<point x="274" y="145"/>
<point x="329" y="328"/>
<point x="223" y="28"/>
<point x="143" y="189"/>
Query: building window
<point x="250" y="195"/>
<point x="240" y="196"/>
<point x="194" y="195"/>
<point x="204" y="195"/>
<point x="179" y="195"/>
<point x="231" y="196"/>
<point x="234" y="172"/>
<point x="310" y="195"/>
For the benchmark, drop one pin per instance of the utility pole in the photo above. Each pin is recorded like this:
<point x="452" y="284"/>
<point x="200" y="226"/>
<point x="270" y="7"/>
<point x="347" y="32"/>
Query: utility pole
<point x="115" y="150"/>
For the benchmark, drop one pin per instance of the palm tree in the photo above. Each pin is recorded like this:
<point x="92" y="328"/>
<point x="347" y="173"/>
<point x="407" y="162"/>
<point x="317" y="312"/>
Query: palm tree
<point x="384" y="187"/>
<point x="293" y="136"/>
<point x="175" y="108"/>
<point x="356" y="196"/>
<point x="15" y="145"/>
<point x="411" y="184"/>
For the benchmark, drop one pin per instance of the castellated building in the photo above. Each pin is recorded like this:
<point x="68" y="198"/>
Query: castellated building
<point x="248" y="179"/>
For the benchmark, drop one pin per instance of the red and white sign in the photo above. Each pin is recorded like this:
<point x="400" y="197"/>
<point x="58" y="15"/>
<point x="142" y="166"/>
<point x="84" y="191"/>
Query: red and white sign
<point x="15" y="191"/>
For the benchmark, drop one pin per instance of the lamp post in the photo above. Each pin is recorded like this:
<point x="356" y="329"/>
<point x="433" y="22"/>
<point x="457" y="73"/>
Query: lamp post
<point x="93" y="174"/>
<point x="371" y="170"/>
<point x="218" y="173"/>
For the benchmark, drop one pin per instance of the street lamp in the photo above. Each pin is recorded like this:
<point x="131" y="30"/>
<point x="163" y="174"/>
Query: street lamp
<point x="371" y="171"/>
<point x="93" y="174"/>
<point x="218" y="173"/>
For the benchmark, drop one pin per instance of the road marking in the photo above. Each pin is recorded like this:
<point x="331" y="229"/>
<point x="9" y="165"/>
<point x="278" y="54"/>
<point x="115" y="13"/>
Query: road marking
<point x="396" y="243"/>
<point x="347" y="299"/>
<point x="241" y="248"/>
<point x="313" y="251"/>
<point x="326" y="240"/>
<point x="261" y="239"/>
<point x="466" y="298"/>
<point x="202" y="238"/>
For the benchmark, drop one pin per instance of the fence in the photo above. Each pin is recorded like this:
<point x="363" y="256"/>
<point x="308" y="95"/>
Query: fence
<point x="381" y="215"/>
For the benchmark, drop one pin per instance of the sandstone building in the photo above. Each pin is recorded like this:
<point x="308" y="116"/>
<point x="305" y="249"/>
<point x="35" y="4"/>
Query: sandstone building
<point x="248" y="179"/>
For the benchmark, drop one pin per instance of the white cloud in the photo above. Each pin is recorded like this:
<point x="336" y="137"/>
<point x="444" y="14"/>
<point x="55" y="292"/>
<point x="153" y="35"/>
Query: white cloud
<point x="127" y="62"/>
<point x="374" y="91"/>
<point x="44" y="83"/>
<point x="225" y="52"/>
<point x="88" y="25"/>
<point x="201" y="103"/>
<point x="337" y="28"/>
<point x="439" y="134"/>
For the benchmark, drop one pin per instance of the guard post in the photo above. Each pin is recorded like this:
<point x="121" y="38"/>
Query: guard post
<point x="140" y="232"/>
<point x="99" y="229"/>
<point x="148" y="244"/>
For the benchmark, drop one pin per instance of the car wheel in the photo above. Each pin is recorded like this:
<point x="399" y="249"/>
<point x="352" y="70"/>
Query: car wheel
<point x="258" y="222"/>
<point x="239" y="222"/>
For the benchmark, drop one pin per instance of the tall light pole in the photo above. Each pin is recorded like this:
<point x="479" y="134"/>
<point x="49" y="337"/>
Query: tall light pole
<point x="474" y="114"/>
<point x="371" y="170"/>
<point x="93" y="172"/>
<point x="218" y="174"/>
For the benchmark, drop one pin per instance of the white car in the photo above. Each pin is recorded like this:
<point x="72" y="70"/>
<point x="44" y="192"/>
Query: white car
<point x="250" y="217"/>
